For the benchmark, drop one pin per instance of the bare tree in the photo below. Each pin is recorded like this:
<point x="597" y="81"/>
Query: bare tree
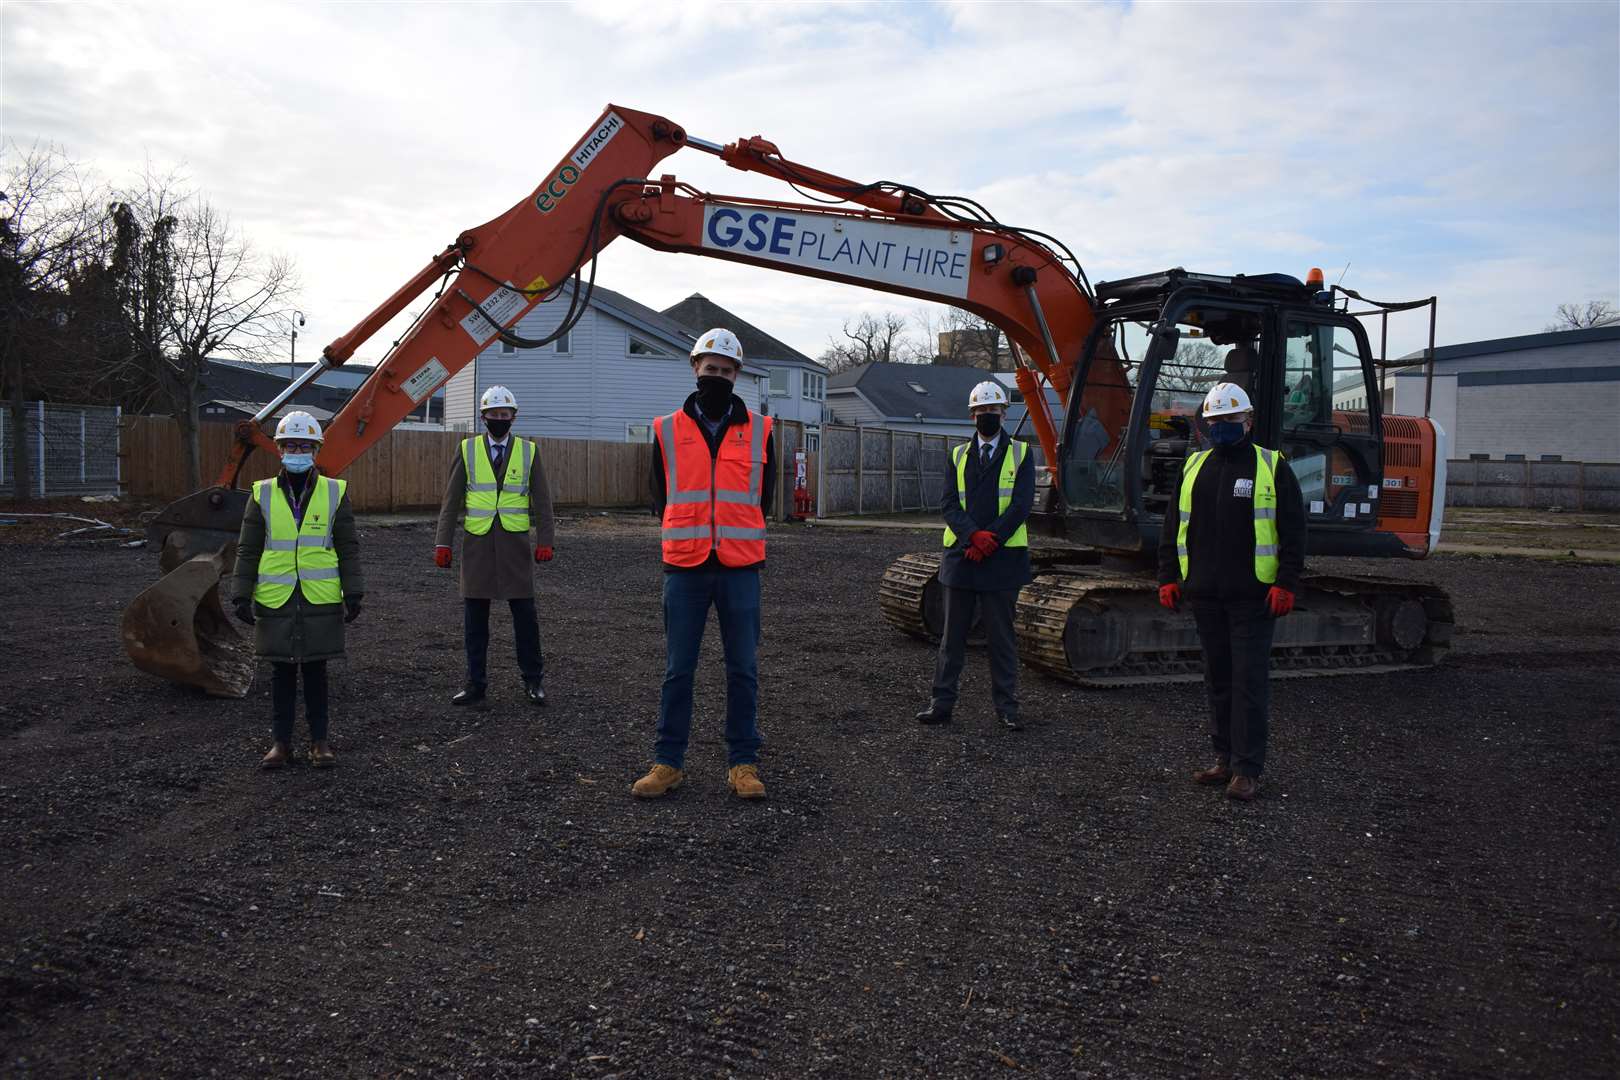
<point x="48" y="231"/>
<point x="872" y="339"/>
<point x="961" y="339"/>
<point x="1584" y="316"/>
<point x="1195" y="367"/>
<point x="192" y="288"/>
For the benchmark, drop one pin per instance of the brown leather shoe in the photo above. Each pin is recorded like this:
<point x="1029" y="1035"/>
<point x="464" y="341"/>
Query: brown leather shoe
<point x="1218" y="773"/>
<point x="278" y="757"/>
<point x="1243" y="788"/>
<point x="744" y="782"/>
<point x="321" y="756"/>
<point x="660" y="780"/>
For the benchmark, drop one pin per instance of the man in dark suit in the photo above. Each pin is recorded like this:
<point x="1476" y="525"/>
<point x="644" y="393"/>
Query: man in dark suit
<point x="989" y="492"/>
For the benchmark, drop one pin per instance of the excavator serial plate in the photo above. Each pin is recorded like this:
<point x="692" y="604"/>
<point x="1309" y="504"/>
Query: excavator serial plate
<point x="1104" y="628"/>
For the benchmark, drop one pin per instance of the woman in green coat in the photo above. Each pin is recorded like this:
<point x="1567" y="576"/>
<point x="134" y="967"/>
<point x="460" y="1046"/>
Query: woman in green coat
<point x="297" y="582"/>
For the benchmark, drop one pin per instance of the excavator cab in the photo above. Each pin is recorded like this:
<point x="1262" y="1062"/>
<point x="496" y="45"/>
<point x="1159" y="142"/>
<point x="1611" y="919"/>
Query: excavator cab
<point x="1161" y="341"/>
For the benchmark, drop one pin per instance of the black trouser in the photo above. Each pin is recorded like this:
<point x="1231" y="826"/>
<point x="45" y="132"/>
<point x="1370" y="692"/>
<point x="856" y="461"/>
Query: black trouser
<point x="1236" y="636"/>
<point x="525" y="631"/>
<point x="996" y="615"/>
<point x="284" y="696"/>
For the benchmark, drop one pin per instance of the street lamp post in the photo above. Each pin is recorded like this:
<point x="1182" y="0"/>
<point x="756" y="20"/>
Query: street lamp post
<point x="292" y="364"/>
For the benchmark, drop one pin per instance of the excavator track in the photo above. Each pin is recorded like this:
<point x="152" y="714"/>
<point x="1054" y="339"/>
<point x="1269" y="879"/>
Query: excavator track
<point x="1104" y="628"/>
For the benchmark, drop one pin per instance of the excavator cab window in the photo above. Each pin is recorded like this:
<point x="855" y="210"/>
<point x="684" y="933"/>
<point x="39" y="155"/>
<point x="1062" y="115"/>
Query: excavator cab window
<point x="1330" y="421"/>
<point x="1162" y="390"/>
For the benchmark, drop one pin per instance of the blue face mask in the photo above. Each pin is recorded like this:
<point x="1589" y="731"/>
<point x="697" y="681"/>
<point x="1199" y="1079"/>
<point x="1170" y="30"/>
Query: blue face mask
<point x="1225" y="432"/>
<point x="298" y="463"/>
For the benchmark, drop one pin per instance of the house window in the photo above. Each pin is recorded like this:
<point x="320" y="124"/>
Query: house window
<point x="507" y="348"/>
<point x="1479" y="457"/>
<point x="779" y="382"/>
<point x="639" y="347"/>
<point x="1552" y="457"/>
<point x="812" y="441"/>
<point x="561" y="344"/>
<point x="919" y="387"/>
<point x="1512" y="457"/>
<point x="638" y="433"/>
<point x="815" y="386"/>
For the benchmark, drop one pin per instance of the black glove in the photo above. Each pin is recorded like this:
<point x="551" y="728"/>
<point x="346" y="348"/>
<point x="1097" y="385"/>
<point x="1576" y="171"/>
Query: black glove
<point x="244" y="610"/>
<point x="353" y="604"/>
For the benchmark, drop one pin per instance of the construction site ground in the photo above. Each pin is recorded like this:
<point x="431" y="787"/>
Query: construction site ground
<point x="1429" y="886"/>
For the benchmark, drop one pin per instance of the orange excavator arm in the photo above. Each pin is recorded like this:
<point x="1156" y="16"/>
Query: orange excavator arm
<point x="896" y="239"/>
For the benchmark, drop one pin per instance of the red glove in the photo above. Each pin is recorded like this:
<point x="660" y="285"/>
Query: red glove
<point x="972" y="554"/>
<point x="1280" y="601"/>
<point x="984" y="542"/>
<point x="1170" y="596"/>
<point x="441" y="557"/>
<point x="543" y="554"/>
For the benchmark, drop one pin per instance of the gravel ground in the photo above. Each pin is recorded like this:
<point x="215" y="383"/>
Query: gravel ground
<point x="1429" y="886"/>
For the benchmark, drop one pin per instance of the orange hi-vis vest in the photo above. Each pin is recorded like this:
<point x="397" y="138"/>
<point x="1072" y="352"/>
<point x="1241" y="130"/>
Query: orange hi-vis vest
<point x="713" y="499"/>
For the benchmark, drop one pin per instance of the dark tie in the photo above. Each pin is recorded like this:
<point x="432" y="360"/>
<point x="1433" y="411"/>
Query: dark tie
<point x="984" y="455"/>
<point x="496" y="453"/>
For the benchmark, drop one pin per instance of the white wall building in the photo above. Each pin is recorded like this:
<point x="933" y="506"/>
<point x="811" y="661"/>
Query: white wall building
<point x="1541" y="397"/>
<point x="798" y="385"/>
<point x="619" y="367"/>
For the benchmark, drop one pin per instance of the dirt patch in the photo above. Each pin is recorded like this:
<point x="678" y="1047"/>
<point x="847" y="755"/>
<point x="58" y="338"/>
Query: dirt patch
<point x="1428" y="887"/>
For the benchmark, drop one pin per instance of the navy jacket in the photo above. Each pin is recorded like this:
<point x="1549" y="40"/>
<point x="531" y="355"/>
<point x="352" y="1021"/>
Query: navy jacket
<point x="1007" y="568"/>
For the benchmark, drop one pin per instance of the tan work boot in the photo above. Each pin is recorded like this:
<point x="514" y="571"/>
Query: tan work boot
<point x="745" y="783"/>
<point x="661" y="780"/>
<point x="280" y="753"/>
<point x="321" y="756"/>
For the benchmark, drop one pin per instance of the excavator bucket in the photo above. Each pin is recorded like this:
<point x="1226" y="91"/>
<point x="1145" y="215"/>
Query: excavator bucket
<point x="177" y="628"/>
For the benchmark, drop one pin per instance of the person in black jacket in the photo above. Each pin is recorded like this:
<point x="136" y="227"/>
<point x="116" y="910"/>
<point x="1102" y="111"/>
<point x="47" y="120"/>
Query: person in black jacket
<point x="989" y="492"/>
<point x="1234" y="542"/>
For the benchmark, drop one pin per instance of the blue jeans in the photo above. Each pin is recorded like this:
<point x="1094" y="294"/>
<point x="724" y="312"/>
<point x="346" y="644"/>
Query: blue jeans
<point x="688" y="595"/>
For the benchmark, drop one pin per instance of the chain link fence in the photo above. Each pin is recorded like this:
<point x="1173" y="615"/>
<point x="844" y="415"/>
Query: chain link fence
<point x="72" y="449"/>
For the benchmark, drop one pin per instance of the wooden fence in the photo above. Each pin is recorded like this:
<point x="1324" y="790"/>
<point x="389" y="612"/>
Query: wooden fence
<point x="406" y="470"/>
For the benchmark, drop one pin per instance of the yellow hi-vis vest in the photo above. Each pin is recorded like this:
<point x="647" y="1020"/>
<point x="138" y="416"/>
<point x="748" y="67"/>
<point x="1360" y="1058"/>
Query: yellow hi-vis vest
<point x="1009" y="476"/>
<point x="1265" y="510"/>
<point x="485" y="499"/>
<point x="294" y="553"/>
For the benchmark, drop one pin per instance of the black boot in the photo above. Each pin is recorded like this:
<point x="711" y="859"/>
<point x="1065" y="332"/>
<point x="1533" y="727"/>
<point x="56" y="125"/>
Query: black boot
<point x="471" y="694"/>
<point x="934" y="714"/>
<point x="536" y="691"/>
<point x="1011" y="722"/>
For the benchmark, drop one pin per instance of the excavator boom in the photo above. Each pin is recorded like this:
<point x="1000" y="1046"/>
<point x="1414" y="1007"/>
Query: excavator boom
<point x="894" y="238"/>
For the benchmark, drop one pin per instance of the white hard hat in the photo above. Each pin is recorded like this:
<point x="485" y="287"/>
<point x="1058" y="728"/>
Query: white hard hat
<point x="299" y="425"/>
<point x="497" y="397"/>
<point x="1226" y="399"/>
<point x="719" y="342"/>
<point x="987" y="393"/>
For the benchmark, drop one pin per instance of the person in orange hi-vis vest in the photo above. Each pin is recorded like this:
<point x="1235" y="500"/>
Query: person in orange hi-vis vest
<point x="712" y="477"/>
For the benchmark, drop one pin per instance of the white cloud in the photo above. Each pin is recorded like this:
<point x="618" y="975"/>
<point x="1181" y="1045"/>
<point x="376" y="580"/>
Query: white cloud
<point x="1464" y="150"/>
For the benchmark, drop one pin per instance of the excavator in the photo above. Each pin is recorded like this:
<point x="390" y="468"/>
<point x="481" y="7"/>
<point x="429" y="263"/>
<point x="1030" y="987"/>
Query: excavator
<point x="1127" y="360"/>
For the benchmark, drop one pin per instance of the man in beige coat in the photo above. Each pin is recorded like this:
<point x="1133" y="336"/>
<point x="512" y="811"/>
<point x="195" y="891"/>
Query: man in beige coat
<point x="504" y="500"/>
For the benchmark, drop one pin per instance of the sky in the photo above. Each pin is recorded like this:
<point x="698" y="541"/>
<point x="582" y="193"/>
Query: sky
<point x="1466" y="151"/>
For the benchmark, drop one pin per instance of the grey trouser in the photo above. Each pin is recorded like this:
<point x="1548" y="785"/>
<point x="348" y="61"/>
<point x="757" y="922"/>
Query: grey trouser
<point x="996" y="614"/>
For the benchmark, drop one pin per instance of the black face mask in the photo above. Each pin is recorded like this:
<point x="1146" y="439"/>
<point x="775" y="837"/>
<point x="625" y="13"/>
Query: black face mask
<point x="988" y="423"/>
<point x="714" y="395"/>
<point x="498" y="428"/>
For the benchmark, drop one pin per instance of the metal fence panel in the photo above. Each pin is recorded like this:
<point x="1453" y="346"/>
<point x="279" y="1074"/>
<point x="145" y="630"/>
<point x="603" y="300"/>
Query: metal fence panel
<point x="72" y="449"/>
<point x="1574" y="485"/>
